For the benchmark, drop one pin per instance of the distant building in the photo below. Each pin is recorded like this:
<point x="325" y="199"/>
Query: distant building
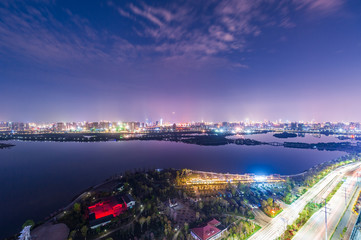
<point x="210" y="231"/>
<point x="60" y="126"/>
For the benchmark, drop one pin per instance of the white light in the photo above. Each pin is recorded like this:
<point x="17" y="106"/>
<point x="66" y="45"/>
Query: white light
<point x="260" y="178"/>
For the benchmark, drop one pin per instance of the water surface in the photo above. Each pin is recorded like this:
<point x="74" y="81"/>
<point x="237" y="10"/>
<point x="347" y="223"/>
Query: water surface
<point x="38" y="178"/>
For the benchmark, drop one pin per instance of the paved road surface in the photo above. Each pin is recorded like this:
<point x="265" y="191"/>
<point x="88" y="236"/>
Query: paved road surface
<point x="315" y="227"/>
<point x="278" y="224"/>
<point x="348" y="220"/>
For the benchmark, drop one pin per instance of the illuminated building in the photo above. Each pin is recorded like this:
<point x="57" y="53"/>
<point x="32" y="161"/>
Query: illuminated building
<point x="101" y="213"/>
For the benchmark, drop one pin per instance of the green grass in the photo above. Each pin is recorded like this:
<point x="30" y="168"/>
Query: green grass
<point x="334" y="190"/>
<point x="276" y="213"/>
<point x="257" y="227"/>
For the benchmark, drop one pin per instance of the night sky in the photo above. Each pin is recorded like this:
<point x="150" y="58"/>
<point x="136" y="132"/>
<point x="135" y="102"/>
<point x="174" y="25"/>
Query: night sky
<point x="180" y="60"/>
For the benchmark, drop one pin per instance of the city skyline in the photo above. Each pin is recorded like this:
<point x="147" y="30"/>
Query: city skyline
<point x="159" y="126"/>
<point x="162" y="121"/>
<point x="185" y="60"/>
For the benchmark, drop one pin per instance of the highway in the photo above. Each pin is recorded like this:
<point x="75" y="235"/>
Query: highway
<point x="315" y="226"/>
<point x="277" y="225"/>
<point x="348" y="220"/>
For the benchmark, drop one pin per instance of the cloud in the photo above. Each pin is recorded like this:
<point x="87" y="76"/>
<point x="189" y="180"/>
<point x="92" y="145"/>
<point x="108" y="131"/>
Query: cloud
<point x="35" y="32"/>
<point x="193" y="29"/>
<point x="185" y="30"/>
<point x="240" y="65"/>
<point x="146" y="14"/>
<point x="124" y="13"/>
<point x="319" y="5"/>
<point x="286" y="23"/>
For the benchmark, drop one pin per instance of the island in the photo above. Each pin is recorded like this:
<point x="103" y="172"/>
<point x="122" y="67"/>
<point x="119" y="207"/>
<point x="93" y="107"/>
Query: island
<point x="285" y="135"/>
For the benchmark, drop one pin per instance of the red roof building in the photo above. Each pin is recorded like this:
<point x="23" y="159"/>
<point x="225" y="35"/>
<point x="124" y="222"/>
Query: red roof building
<point x="207" y="232"/>
<point x="102" y="212"/>
<point x="108" y="207"/>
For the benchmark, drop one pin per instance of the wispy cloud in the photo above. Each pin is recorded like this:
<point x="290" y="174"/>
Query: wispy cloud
<point x="240" y="65"/>
<point x="215" y="27"/>
<point x="197" y="29"/>
<point x="35" y="32"/>
<point x="319" y="5"/>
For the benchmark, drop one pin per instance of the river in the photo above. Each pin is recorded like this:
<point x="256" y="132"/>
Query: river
<point x="37" y="178"/>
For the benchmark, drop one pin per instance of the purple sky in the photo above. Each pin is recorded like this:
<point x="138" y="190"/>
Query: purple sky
<point x="180" y="60"/>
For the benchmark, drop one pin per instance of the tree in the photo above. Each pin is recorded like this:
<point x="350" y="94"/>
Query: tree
<point x="270" y="202"/>
<point x="264" y="204"/>
<point x="142" y="221"/>
<point x="241" y="236"/>
<point x="186" y="227"/>
<point x="84" y="231"/>
<point x="148" y="221"/>
<point x="233" y="191"/>
<point x="29" y="222"/>
<point x="77" y="207"/>
<point x="200" y="205"/>
<point x="288" y="197"/>
<point x="72" y="235"/>
<point x="184" y="195"/>
<point x="242" y="210"/>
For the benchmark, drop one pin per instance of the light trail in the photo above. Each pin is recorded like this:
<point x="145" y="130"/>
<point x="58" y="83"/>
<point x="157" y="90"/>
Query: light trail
<point x="315" y="227"/>
<point x="276" y="227"/>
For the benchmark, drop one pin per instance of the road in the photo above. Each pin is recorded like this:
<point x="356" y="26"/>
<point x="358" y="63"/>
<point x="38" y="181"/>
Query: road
<point x="348" y="220"/>
<point x="261" y="218"/>
<point x="278" y="225"/>
<point x="315" y="227"/>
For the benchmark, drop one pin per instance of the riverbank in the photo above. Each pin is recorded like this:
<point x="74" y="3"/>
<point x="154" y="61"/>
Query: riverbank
<point x="197" y="206"/>
<point x="197" y="138"/>
<point x="4" y="145"/>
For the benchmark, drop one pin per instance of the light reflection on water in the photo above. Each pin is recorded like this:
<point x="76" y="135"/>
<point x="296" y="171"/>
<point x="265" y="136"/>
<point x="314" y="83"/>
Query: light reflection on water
<point x="38" y="178"/>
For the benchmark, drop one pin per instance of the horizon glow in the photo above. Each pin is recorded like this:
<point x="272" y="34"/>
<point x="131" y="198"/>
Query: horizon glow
<point x="180" y="61"/>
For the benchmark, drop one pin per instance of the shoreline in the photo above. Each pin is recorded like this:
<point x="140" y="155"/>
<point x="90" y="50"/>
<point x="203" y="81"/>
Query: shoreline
<point x="112" y="180"/>
<point x="196" y="138"/>
<point x="5" y="145"/>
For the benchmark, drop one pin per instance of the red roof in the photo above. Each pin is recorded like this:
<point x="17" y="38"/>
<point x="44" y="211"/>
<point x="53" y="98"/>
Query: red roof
<point x="214" y="222"/>
<point x="108" y="207"/>
<point x="207" y="231"/>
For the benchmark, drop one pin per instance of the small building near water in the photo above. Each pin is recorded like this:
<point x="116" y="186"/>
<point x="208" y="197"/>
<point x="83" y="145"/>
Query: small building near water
<point x="129" y="200"/>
